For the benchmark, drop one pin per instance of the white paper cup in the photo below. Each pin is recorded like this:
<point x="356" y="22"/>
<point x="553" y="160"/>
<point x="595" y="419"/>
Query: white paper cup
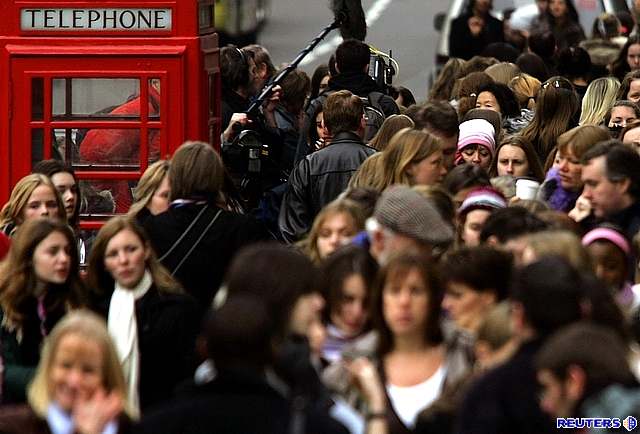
<point x="527" y="189"/>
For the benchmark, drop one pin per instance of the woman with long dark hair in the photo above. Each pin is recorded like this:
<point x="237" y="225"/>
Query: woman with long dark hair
<point x="39" y="283"/>
<point x="562" y="19"/>
<point x="557" y="104"/>
<point x="628" y="60"/>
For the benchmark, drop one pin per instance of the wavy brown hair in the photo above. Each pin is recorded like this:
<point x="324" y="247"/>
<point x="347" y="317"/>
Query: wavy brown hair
<point x="625" y="85"/>
<point x="18" y="280"/>
<point x="467" y="91"/>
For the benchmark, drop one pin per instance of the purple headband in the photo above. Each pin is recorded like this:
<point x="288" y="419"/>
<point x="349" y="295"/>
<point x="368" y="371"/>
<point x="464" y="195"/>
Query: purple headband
<point x="607" y="234"/>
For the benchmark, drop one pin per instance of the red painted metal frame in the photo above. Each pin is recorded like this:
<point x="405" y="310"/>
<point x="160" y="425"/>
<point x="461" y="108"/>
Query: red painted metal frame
<point x="183" y="59"/>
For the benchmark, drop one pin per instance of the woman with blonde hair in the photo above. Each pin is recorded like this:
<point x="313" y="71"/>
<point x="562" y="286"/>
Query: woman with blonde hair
<point x="39" y="283"/>
<point x="525" y="87"/>
<point x="151" y="196"/>
<point x="32" y="197"/>
<point x="78" y="386"/>
<point x="369" y="174"/>
<point x="153" y="324"/>
<point x="600" y="96"/>
<point x="413" y="158"/>
<point x="390" y="126"/>
<point x="503" y="72"/>
<point x="333" y="227"/>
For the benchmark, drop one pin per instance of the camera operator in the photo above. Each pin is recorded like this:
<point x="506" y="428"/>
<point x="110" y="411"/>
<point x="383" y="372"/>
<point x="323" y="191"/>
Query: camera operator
<point x="287" y="116"/>
<point x="240" y="83"/>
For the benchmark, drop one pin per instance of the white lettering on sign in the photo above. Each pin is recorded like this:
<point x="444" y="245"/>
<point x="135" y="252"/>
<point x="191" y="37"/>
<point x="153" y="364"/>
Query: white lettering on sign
<point x="100" y="20"/>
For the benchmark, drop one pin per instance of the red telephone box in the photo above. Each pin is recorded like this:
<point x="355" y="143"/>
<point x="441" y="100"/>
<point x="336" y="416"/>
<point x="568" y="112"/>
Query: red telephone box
<point x="107" y="86"/>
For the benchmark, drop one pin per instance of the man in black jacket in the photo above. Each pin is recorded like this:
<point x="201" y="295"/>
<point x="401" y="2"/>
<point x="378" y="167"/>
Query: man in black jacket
<point x="320" y="177"/>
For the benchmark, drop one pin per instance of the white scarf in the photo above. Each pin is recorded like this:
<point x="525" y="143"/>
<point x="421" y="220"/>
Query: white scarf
<point x="124" y="332"/>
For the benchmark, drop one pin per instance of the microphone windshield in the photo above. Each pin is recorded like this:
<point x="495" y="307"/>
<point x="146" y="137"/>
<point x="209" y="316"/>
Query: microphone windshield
<point x="350" y="15"/>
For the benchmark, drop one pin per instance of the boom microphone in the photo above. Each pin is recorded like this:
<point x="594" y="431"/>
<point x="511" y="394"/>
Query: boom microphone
<point x="350" y="16"/>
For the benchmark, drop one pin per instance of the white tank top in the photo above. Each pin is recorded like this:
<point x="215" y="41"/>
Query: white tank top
<point x="409" y="401"/>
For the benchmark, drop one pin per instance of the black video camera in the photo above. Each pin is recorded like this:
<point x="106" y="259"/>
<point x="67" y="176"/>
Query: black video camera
<point x="381" y="68"/>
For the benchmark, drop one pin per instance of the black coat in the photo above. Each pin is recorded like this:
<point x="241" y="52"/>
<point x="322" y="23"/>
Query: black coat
<point x="628" y="220"/>
<point x="505" y="399"/>
<point x="203" y="270"/>
<point x="464" y="45"/>
<point x="20" y="357"/>
<point x="167" y="328"/>
<point x="233" y="403"/>
<point x="232" y="103"/>
<point x="317" y="180"/>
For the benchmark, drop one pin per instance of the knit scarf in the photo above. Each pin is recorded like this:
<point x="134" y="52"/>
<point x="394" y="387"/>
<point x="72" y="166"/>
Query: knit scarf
<point x="124" y="332"/>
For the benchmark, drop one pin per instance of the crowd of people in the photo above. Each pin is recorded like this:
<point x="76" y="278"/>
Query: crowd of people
<point x="470" y="264"/>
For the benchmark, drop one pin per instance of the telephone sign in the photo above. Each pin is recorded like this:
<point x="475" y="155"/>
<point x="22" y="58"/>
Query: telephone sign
<point x="95" y="19"/>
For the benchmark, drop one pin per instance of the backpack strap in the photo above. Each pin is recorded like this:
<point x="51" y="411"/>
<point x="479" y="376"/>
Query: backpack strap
<point x="375" y="99"/>
<point x="184" y="258"/>
<point x="184" y="234"/>
<point x="187" y="231"/>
